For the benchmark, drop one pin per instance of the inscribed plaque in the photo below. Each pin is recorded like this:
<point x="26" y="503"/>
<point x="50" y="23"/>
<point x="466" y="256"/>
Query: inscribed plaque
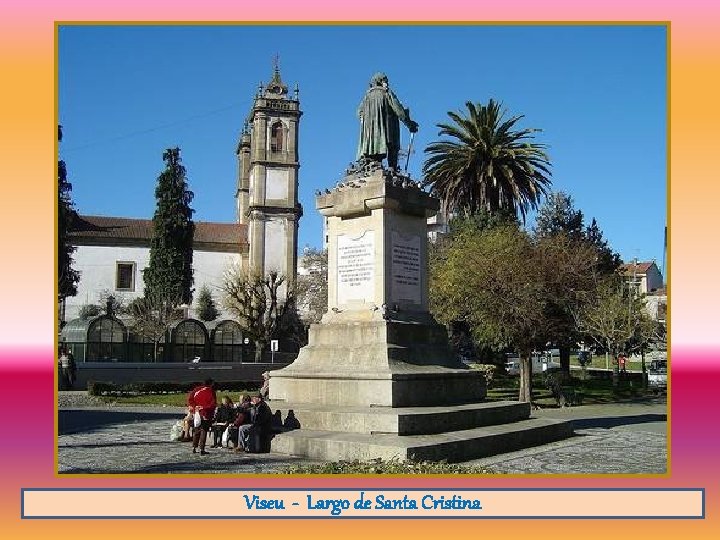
<point x="406" y="268"/>
<point x="356" y="268"/>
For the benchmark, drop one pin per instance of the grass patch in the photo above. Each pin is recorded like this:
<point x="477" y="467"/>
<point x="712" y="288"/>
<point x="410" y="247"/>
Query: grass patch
<point x="593" y="391"/>
<point x="598" y="362"/>
<point x="602" y="391"/>
<point x="379" y="466"/>
<point x="171" y="399"/>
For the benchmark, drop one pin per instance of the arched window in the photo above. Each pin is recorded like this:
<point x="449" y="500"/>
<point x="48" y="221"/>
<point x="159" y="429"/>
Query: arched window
<point x="143" y="349"/>
<point x="106" y="338"/>
<point x="277" y="137"/>
<point x="189" y="339"/>
<point x="227" y="342"/>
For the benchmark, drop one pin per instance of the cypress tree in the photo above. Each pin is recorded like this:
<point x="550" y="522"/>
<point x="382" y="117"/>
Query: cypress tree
<point x="206" y="309"/>
<point x="169" y="275"/>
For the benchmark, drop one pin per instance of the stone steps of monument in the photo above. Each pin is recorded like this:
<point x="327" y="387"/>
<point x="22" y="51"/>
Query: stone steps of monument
<point x="401" y="420"/>
<point x="455" y="446"/>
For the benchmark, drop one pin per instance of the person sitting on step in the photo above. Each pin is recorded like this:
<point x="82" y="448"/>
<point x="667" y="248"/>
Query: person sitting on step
<point x="224" y="417"/>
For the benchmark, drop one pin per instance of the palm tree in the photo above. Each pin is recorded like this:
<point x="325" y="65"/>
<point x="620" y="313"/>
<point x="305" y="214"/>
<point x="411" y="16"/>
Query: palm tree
<point x="489" y="165"/>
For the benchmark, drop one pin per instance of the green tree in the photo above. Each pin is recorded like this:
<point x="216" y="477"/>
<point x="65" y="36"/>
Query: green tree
<point x="607" y="260"/>
<point x="88" y="311"/>
<point x="569" y="276"/>
<point x="558" y="215"/>
<point x="312" y="286"/>
<point x="560" y="231"/>
<point x="462" y="225"/>
<point x="169" y="275"/>
<point x="109" y="302"/>
<point x="68" y="278"/>
<point x="489" y="281"/>
<point x="258" y="304"/>
<point x="487" y="163"/>
<point x="206" y="309"/>
<point x="482" y="220"/>
<point x="151" y="317"/>
<point x="614" y="318"/>
<point x="112" y="302"/>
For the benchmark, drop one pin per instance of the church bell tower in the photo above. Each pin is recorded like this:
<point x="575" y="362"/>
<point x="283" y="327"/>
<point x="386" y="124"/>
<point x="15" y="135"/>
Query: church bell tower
<point x="267" y="187"/>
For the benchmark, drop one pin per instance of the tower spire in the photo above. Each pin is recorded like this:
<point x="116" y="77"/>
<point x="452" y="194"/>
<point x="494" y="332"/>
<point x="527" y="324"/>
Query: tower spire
<point x="276" y="85"/>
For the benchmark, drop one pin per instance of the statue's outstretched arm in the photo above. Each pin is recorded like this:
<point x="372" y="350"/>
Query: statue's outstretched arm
<point x="402" y="113"/>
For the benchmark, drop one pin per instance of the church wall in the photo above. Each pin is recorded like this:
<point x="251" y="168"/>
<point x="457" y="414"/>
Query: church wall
<point x="209" y="268"/>
<point x="98" y="267"/>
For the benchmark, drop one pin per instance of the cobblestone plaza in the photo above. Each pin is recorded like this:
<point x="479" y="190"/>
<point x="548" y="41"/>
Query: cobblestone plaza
<point x="628" y="438"/>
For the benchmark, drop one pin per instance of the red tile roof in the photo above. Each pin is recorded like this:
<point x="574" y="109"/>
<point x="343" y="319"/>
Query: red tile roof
<point x="106" y="230"/>
<point x="662" y="291"/>
<point x="638" y="269"/>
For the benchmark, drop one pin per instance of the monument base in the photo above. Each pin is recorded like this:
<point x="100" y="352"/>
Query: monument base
<point x="453" y="446"/>
<point x="390" y="389"/>
<point x="377" y="363"/>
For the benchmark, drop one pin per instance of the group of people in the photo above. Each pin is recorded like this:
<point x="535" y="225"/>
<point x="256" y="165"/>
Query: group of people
<point x="248" y="421"/>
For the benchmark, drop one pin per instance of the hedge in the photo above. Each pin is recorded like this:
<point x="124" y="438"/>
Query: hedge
<point x="111" y="389"/>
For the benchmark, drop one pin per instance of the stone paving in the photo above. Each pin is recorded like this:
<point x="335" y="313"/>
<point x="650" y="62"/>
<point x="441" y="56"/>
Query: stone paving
<point x="137" y="440"/>
<point x="591" y="451"/>
<point x="625" y="438"/>
<point x="616" y="439"/>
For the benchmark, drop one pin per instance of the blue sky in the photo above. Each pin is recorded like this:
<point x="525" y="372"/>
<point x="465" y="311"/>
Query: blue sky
<point x="598" y="93"/>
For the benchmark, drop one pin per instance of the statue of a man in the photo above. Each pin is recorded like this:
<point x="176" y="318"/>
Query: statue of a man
<point x="380" y="114"/>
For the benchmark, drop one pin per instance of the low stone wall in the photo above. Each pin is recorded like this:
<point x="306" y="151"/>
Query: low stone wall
<point x="124" y="373"/>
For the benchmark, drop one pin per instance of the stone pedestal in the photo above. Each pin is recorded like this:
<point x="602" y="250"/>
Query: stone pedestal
<point x="377" y="378"/>
<point x="376" y="364"/>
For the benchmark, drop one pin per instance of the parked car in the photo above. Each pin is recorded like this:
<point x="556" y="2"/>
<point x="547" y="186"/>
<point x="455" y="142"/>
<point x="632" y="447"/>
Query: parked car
<point x="541" y="361"/>
<point x="657" y="376"/>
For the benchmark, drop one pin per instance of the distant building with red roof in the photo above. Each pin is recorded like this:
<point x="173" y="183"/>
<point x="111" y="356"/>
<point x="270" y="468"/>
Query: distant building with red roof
<point x="648" y="281"/>
<point x="645" y="276"/>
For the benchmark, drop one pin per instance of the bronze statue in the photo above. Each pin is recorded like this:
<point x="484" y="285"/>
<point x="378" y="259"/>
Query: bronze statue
<point x="380" y="114"/>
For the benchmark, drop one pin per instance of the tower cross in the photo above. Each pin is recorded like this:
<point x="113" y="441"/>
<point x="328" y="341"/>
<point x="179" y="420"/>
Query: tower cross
<point x="276" y="62"/>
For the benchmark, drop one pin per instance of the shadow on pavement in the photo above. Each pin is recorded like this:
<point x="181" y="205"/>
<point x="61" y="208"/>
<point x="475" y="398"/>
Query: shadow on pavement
<point x="201" y="465"/>
<point x="74" y="420"/>
<point x="608" y="422"/>
<point x="122" y="443"/>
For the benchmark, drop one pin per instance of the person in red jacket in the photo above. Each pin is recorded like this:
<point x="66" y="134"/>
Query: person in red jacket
<point x="202" y="399"/>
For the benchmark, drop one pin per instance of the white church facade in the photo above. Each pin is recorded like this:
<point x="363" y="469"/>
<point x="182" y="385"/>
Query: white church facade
<point x="112" y="252"/>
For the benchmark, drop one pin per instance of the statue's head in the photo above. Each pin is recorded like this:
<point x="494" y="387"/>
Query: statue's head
<point x="379" y="79"/>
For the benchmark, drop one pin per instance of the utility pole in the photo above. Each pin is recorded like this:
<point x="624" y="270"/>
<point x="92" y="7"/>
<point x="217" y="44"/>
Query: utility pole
<point x="632" y="291"/>
<point x="664" y="259"/>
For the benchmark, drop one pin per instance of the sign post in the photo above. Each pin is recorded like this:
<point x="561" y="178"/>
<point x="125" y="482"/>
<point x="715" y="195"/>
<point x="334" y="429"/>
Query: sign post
<point x="273" y="348"/>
